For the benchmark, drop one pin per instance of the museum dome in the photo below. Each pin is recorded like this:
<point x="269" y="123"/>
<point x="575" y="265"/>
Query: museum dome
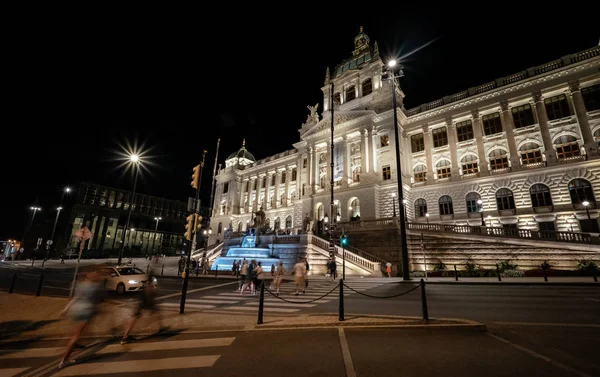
<point x="241" y="157"/>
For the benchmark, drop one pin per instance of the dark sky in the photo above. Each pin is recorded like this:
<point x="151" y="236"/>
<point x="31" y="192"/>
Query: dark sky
<point x="230" y="73"/>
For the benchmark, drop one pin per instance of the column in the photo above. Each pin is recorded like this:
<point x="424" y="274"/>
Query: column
<point x="243" y="192"/>
<point x="450" y="129"/>
<point x="258" y="188"/>
<point x="315" y="168"/>
<point x="328" y="159"/>
<point x="372" y="151"/>
<point x="347" y="160"/>
<point x="237" y="200"/>
<point x="299" y="168"/>
<point x="268" y="190"/>
<point x="406" y="156"/>
<point x="508" y="126"/>
<point x="363" y="153"/>
<point x="252" y="203"/>
<point x="478" y="134"/>
<point x="581" y="113"/>
<point x="309" y="157"/>
<point x="288" y="178"/>
<point x="277" y="184"/>
<point x="427" y="142"/>
<point x="540" y="109"/>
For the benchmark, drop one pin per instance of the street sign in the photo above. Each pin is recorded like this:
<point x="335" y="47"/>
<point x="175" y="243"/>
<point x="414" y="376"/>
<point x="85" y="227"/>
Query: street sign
<point x="191" y="204"/>
<point x="49" y="242"/>
<point x="83" y="234"/>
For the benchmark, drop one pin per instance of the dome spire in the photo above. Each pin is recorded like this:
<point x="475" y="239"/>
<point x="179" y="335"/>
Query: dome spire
<point x="244" y="143"/>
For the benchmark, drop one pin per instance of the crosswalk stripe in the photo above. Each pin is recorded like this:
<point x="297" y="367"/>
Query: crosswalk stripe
<point x="208" y="301"/>
<point x="219" y="297"/>
<point x="167" y="345"/>
<point x="30" y="353"/>
<point x="192" y="306"/>
<point x="281" y="304"/>
<point x="137" y="366"/>
<point x="235" y="294"/>
<point x="253" y="309"/>
<point x="10" y="372"/>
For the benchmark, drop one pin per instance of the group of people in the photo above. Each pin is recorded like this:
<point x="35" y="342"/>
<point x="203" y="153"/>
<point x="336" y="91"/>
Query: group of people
<point x="86" y="305"/>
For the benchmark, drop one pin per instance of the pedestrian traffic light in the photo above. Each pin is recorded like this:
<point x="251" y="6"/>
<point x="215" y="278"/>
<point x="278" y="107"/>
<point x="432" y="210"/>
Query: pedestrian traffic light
<point x="344" y="240"/>
<point x="195" y="176"/>
<point x="189" y="227"/>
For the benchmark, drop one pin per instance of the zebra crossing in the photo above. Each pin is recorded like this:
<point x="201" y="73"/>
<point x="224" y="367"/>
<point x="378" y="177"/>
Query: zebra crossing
<point x="116" y="358"/>
<point x="234" y="302"/>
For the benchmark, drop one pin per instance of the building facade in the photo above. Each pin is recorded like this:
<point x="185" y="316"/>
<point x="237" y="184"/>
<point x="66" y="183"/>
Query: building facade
<point x="156" y="225"/>
<point x="517" y="152"/>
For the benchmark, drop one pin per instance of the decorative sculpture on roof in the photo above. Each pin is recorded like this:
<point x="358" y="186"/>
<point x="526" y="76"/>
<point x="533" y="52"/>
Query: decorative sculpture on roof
<point x="313" y="117"/>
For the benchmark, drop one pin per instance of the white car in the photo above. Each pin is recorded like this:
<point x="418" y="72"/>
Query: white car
<point x="125" y="278"/>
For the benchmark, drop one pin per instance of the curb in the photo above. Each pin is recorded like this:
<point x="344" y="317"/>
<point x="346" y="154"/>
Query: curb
<point x="517" y="283"/>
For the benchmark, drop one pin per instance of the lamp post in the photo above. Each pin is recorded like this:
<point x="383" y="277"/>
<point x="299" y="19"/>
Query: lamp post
<point x="480" y="208"/>
<point x="394" y="203"/>
<point x="135" y="160"/>
<point x="427" y="217"/>
<point x="402" y="229"/>
<point x="586" y="204"/>
<point x="58" y="209"/>
<point x="404" y="202"/>
<point x="157" y="220"/>
<point x="325" y="221"/>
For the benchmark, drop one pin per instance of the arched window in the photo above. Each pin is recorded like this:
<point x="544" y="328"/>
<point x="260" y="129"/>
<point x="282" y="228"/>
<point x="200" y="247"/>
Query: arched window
<point x="530" y="153"/>
<point x="337" y="98"/>
<point x="354" y="208"/>
<point x="580" y="191"/>
<point x="420" y="172"/>
<point x="505" y="199"/>
<point x="445" y="203"/>
<point x="239" y="227"/>
<point x="540" y="196"/>
<point x="472" y="205"/>
<point x="566" y="146"/>
<point x="444" y="169"/>
<point x="277" y="224"/>
<point x="350" y="93"/>
<point x="219" y="228"/>
<point x="469" y="164"/>
<point x="367" y="87"/>
<point x="498" y="159"/>
<point x="319" y="211"/>
<point x="288" y="222"/>
<point x="597" y="137"/>
<point x="420" y="207"/>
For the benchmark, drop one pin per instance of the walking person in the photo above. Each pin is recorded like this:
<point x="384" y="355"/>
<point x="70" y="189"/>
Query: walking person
<point x="146" y="301"/>
<point x="243" y="272"/>
<point x="279" y="276"/>
<point x="248" y="282"/>
<point x="84" y="306"/>
<point x="299" y="274"/>
<point x="306" y="275"/>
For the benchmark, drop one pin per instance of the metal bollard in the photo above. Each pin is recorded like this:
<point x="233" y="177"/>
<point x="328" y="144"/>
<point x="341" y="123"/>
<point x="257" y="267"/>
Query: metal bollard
<point x="162" y="271"/>
<point x="43" y="261"/>
<point x="595" y="277"/>
<point x="545" y="273"/>
<point x="12" y="283"/>
<point x="455" y="273"/>
<point x="498" y="272"/>
<point x="216" y="270"/>
<point x="147" y="269"/>
<point x="341" y="310"/>
<point x="39" y="287"/>
<point x="424" y="302"/>
<point x="33" y="260"/>
<point x="261" y="303"/>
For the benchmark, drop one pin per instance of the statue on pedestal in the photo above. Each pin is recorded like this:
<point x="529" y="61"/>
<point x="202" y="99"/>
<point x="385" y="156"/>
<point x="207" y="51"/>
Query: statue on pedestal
<point x="307" y="223"/>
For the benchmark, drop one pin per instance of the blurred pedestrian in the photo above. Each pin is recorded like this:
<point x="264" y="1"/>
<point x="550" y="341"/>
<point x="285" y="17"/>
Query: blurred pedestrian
<point x="146" y="301"/>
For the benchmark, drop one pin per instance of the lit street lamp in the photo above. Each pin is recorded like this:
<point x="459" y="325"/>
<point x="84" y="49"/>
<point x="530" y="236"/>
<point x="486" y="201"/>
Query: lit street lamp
<point x="427" y="217"/>
<point x="392" y="64"/>
<point x="586" y="204"/>
<point x="157" y="220"/>
<point x="135" y="160"/>
<point x="480" y="208"/>
<point x="58" y="209"/>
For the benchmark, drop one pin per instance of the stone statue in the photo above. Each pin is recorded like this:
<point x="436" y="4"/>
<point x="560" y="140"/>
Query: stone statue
<point x="307" y="223"/>
<point x="260" y="222"/>
<point x="313" y="117"/>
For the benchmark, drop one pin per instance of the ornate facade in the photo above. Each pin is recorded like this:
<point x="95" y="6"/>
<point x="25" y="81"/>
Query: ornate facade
<point x="517" y="152"/>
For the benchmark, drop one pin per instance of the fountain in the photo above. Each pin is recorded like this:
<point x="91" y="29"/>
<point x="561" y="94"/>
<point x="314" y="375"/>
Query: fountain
<point x="247" y="250"/>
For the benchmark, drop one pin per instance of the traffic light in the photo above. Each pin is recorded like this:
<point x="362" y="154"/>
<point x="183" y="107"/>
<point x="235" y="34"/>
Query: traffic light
<point x="344" y="240"/>
<point x="195" y="176"/>
<point x="189" y="227"/>
<point x="198" y="222"/>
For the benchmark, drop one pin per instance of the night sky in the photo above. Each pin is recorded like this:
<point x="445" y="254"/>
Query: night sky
<point x="249" y="74"/>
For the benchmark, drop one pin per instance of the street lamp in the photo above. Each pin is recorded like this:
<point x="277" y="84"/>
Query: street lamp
<point x="402" y="229"/>
<point x="58" y="209"/>
<point x="427" y="217"/>
<point x="325" y="221"/>
<point x="586" y="204"/>
<point x="480" y="208"/>
<point x="394" y="203"/>
<point x="135" y="160"/>
<point x="157" y="220"/>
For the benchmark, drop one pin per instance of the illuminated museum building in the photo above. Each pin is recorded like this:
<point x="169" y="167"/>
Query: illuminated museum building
<point x="522" y="149"/>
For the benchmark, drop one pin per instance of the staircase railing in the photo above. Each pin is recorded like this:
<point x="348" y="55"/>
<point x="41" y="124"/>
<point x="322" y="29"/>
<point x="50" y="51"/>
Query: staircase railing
<point x="364" y="254"/>
<point x="372" y="266"/>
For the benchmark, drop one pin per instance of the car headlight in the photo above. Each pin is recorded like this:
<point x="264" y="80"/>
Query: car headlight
<point x="154" y="281"/>
<point x="133" y="281"/>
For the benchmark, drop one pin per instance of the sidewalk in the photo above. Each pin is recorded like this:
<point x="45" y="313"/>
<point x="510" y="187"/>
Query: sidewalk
<point x="552" y="280"/>
<point x="31" y="317"/>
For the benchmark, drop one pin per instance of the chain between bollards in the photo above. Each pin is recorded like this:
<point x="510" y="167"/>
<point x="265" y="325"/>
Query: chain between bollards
<point x="424" y="302"/>
<point x="341" y="310"/>
<point x="39" y="287"/>
<point x="12" y="283"/>
<point x="261" y="303"/>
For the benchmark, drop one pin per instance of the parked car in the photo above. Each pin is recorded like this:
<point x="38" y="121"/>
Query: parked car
<point x="125" y="278"/>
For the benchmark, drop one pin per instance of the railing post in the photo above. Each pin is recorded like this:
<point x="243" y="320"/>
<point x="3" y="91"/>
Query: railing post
<point x="147" y="269"/>
<point x="424" y="302"/>
<point x="12" y="283"/>
<point x="216" y="271"/>
<point x="162" y="271"/>
<point x="545" y="273"/>
<point x="341" y="309"/>
<point x="455" y="273"/>
<point x="261" y="303"/>
<point x="498" y="272"/>
<point x="39" y="287"/>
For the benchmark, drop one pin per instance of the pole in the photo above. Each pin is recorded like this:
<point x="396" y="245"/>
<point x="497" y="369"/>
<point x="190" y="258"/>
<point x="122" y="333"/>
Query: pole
<point x="137" y="170"/>
<point x="82" y="244"/>
<point x="394" y="204"/>
<point x="424" y="302"/>
<point x="189" y="248"/>
<point x="212" y="185"/>
<point x="343" y="257"/>
<point x="331" y="210"/>
<point x="402" y="228"/>
<point x="53" y="230"/>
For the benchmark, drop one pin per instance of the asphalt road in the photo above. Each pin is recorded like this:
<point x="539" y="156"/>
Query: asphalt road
<point x="323" y="352"/>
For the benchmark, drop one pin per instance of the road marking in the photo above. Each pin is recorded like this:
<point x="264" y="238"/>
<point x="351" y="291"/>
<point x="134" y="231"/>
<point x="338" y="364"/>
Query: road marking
<point x="208" y="301"/>
<point x="31" y="352"/>
<point x="593" y="299"/>
<point x="188" y="306"/>
<point x="196" y="290"/>
<point x="253" y="309"/>
<point x="546" y="324"/>
<point x="10" y="372"/>
<point x="137" y="366"/>
<point x="166" y="345"/>
<point x="540" y="356"/>
<point x="269" y="304"/>
<point x="346" y="353"/>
